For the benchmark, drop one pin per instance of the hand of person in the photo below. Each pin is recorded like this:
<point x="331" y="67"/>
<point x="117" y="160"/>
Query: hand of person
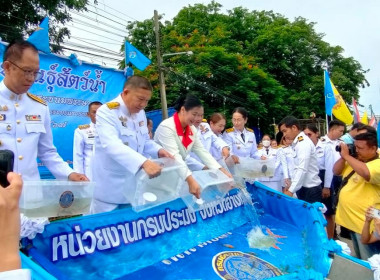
<point x="225" y="152"/>
<point x="287" y="192"/>
<point x="235" y="159"/>
<point x="326" y="192"/>
<point x="228" y="174"/>
<point x="344" y="152"/>
<point x="368" y="214"/>
<point x="263" y="157"/>
<point x="194" y="187"/>
<point x="287" y="183"/>
<point x="74" y="176"/>
<point x="10" y="223"/>
<point x="164" y="153"/>
<point x="151" y="168"/>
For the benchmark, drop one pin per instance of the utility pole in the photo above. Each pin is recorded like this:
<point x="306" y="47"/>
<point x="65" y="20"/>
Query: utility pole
<point x="161" y="77"/>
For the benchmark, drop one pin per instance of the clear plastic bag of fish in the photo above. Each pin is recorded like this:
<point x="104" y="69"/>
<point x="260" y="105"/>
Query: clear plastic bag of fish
<point x="254" y="168"/>
<point x="165" y="187"/>
<point x="214" y="185"/>
<point x="54" y="198"/>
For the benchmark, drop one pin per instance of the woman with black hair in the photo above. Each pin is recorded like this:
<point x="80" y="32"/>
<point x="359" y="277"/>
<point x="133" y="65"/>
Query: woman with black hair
<point x="241" y="139"/>
<point x="179" y="137"/>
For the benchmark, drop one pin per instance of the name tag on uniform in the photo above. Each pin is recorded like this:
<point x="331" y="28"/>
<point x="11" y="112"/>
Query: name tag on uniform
<point x="250" y="141"/>
<point x="33" y="117"/>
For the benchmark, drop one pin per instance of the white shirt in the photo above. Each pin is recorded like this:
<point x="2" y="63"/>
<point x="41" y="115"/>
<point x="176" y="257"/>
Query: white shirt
<point x="290" y="156"/>
<point x="240" y="147"/>
<point x="305" y="164"/>
<point x="326" y="162"/>
<point x="331" y="144"/>
<point x="17" y="274"/>
<point x="280" y="163"/>
<point x="25" y="130"/>
<point x="166" y="135"/>
<point x="210" y="141"/>
<point x="122" y="139"/>
<point x="84" y="140"/>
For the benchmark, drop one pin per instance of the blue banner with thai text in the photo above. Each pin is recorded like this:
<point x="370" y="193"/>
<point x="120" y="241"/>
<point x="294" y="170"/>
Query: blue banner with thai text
<point x="68" y="89"/>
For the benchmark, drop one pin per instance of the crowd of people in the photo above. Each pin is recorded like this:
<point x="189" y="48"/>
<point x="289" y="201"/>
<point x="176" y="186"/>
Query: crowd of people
<point x="119" y="141"/>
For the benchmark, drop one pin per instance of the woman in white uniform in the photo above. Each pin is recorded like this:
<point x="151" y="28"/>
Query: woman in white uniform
<point x="267" y="152"/>
<point x="212" y="143"/>
<point x="241" y="139"/>
<point x="179" y="137"/>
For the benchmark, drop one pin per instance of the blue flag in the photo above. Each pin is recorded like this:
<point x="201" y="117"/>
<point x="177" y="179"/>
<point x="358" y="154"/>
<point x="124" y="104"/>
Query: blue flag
<point x="134" y="56"/>
<point x="40" y="37"/>
<point x="330" y="100"/>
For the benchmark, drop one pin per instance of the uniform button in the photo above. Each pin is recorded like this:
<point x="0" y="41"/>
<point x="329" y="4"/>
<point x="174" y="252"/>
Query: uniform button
<point x="20" y="157"/>
<point x="16" y="104"/>
<point x="18" y="121"/>
<point x="9" y="127"/>
<point x="19" y="140"/>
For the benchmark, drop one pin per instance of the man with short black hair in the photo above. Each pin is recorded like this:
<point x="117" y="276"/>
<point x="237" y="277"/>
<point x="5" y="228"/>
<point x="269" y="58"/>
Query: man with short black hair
<point x="121" y="146"/>
<point x="360" y="189"/>
<point x="84" y="138"/>
<point x="305" y="180"/>
<point x="25" y="118"/>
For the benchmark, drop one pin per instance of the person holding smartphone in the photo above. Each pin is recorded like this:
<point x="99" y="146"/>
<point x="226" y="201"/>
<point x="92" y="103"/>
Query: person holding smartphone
<point x="10" y="262"/>
<point x="371" y="233"/>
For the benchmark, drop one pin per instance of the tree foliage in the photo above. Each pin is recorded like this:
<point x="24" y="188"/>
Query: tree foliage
<point x="260" y="60"/>
<point x="20" y="18"/>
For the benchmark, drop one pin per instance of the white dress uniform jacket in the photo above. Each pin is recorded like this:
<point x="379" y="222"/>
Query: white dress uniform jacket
<point x="240" y="147"/>
<point x="326" y="162"/>
<point x="290" y="156"/>
<point x="84" y="140"/>
<point x="305" y="164"/>
<point x="211" y="142"/>
<point x="25" y="130"/>
<point x="121" y="140"/>
<point x="167" y="136"/>
<point x="274" y="182"/>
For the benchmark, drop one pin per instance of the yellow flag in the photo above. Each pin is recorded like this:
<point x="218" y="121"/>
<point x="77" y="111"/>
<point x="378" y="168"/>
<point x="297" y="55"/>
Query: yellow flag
<point x="364" y="118"/>
<point x="340" y="109"/>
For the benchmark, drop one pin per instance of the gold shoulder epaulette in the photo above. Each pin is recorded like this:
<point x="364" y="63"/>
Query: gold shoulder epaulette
<point x="260" y="148"/>
<point x="83" y="126"/>
<point x="249" y="129"/>
<point x="204" y="120"/>
<point x="36" y="98"/>
<point x="113" y="105"/>
<point x="323" y="139"/>
<point x="230" y="130"/>
<point x="300" y="138"/>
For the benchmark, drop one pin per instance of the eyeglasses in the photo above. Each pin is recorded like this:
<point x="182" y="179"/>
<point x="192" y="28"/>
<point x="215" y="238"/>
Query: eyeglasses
<point x="28" y="73"/>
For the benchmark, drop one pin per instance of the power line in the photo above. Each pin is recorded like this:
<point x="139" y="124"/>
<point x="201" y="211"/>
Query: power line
<point x="91" y="32"/>
<point x="81" y="22"/>
<point x="113" y="10"/>
<point x="98" y="21"/>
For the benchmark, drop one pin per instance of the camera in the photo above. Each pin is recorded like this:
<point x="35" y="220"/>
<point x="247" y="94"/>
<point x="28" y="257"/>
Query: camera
<point x="6" y="166"/>
<point x="351" y="149"/>
<point x="376" y="213"/>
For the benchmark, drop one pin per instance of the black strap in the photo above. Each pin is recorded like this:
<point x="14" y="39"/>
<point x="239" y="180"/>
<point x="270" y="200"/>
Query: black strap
<point x="345" y="179"/>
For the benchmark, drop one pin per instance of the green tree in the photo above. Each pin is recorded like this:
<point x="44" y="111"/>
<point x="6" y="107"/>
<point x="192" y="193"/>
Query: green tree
<point x="256" y="59"/>
<point x="20" y="18"/>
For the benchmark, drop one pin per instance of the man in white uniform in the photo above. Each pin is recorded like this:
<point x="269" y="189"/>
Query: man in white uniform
<point x="305" y="180"/>
<point x="122" y="139"/>
<point x="84" y="139"/>
<point x="25" y="118"/>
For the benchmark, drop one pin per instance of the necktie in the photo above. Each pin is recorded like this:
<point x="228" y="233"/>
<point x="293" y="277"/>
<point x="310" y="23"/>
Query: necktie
<point x="242" y="137"/>
<point x="267" y="151"/>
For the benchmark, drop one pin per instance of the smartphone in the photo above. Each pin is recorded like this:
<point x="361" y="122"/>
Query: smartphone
<point x="376" y="213"/>
<point x="6" y="166"/>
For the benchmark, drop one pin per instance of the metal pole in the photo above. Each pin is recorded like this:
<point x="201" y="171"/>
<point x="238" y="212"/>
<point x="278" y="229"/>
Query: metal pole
<point x="161" y="77"/>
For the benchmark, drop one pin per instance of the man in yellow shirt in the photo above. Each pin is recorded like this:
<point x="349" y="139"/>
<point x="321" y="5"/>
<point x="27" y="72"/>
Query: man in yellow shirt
<point x="361" y="176"/>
